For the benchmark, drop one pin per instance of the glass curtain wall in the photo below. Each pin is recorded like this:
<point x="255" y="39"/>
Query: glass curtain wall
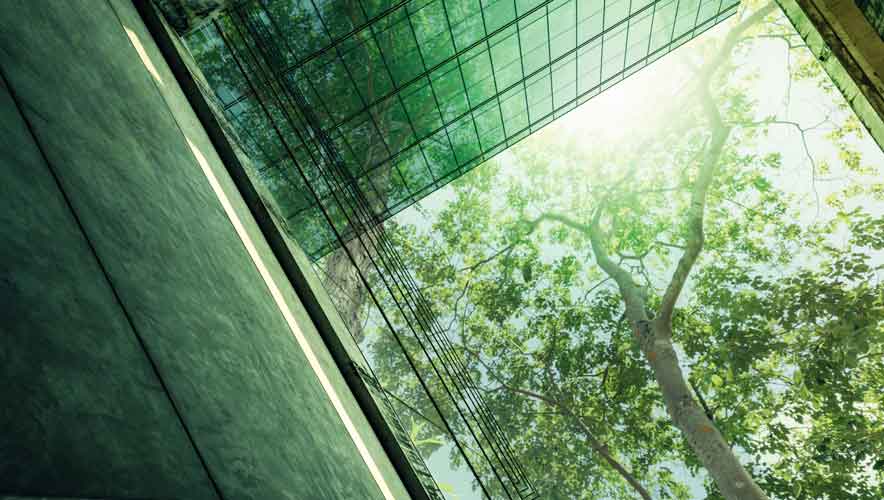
<point x="417" y="92"/>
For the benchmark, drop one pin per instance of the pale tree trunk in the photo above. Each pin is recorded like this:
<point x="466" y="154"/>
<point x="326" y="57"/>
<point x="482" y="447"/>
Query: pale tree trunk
<point x="654" y="338"/>
<point x="654" y="335"/>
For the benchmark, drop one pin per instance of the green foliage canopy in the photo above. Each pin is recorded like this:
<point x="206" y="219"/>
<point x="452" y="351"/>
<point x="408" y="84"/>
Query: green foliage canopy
<point x="780" y="329"/>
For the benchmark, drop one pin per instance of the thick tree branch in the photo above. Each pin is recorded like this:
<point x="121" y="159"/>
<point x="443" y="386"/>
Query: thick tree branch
<point x="696" y="211"/>
<point x="632" y="294"/>
<point x="720" y="134"/>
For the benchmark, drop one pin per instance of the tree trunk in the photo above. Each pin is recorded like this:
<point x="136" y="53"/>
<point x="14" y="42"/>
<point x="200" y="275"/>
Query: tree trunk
<point x="341" y="278"/>
<point x="717" y="457"/>
<point x="345" y="288"/>
<point x="654" y="337"/>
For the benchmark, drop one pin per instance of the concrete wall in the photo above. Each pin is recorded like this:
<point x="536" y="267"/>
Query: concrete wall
<point x="143" y="354"/>
<point x="82" y="410"/>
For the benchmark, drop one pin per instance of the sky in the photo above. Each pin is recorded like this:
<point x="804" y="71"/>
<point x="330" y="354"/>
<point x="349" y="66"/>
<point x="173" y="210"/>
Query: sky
<point x="626" y="109"/>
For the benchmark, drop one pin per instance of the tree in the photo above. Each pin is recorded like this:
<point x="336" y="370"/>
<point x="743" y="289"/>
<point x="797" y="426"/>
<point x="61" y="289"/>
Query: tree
<point x="587" y="294"/>
<point x="763" y="332"/>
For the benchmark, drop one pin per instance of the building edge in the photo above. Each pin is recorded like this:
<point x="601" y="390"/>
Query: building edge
<point x="850" y="51"/>
<point x="294" y="263"/>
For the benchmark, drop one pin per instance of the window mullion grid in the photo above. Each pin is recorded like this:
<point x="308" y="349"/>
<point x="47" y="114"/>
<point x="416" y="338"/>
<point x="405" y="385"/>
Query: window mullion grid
<point x="522" y="83"/>
<point x="455" y="56"/>
<point x="626" y="41"/>
<point x="576" y="52"/>
<point x="397" y="89"/>
<point x="493" y="71"/>
<point x="432" y="91"/>
<point x="674" y="22"/>
<point x="697" y="17"/>
<point x="466" y="91"/>
<point x="522" y="63"/>
<point x="718" y="10"/>
<point x="602" y="44"/>
<point x="552" y="96"/>
<point x="361" y="99"/>
<point x="651" y="29"/>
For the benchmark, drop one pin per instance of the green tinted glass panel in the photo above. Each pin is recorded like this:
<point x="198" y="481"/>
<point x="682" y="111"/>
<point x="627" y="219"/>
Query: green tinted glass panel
<point x="414" y="93"/>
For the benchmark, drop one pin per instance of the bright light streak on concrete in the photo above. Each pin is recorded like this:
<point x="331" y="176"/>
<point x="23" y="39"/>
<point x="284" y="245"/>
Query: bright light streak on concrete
<point x="290" y="319"/>
<point x="273" y="288"/>
<point x="136" y="42"/>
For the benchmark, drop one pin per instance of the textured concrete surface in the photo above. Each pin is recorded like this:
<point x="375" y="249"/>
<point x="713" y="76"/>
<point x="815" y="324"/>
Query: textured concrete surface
<point x="310" y="291"/>
<point x="82" y="411"/>
<point x="187" y="120"/>
<point x="116" y="131"/>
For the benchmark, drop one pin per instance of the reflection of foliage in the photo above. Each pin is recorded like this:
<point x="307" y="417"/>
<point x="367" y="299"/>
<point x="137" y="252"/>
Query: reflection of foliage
<point x="448" y="489"/>
<point x="281" y="33"/>
<point x="420" y="439"/>
<point x="778" y="332"/>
